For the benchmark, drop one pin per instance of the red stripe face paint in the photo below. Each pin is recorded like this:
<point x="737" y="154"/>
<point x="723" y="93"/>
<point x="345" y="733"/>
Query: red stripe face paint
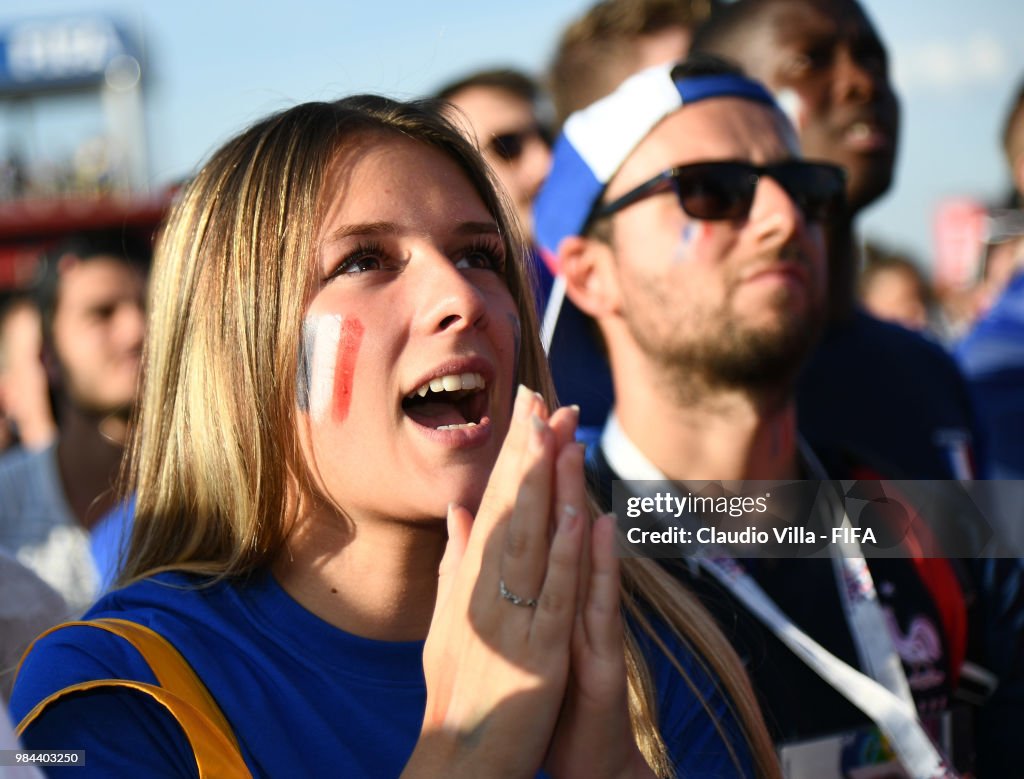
<point x="349" y="339"/>
<point x="327" y="363"/>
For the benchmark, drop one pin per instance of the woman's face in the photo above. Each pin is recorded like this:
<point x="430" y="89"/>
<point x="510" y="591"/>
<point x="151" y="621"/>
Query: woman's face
<point x="409" y="346"/>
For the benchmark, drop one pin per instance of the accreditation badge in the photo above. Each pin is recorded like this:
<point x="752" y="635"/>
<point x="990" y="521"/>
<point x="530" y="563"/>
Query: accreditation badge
<point x="865" y="753"/>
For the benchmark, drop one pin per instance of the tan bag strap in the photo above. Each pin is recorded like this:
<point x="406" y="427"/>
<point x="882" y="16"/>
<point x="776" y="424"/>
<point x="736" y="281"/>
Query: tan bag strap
<point x="180" y="692"/>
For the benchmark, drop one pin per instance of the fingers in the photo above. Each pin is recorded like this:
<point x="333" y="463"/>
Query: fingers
<point x="460" y="523"/>
<point x="564" y="422"/>
<point x="502" y="486"/>
<point x="553" y="620"/>
<point x="526" y="539"/>
<point x="602" y="618"/>
<point x="530" y="532"/>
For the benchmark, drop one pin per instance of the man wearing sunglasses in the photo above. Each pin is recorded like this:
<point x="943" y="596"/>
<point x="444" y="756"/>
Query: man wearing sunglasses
<point x="689" y="229"/>
<point x="500" y="107"/>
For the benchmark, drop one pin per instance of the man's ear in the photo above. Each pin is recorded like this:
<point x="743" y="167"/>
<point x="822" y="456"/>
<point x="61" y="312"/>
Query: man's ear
<point x="590" y="280"/>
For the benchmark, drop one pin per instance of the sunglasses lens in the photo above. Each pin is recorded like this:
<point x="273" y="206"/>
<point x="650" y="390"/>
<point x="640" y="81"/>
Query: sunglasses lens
<point x="817" y="189"/>
<point x="716" y="190"/>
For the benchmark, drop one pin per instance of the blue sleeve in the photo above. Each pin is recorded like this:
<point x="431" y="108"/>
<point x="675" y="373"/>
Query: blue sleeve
<point x="694" y="719"/>
<point x="123" y="732"/>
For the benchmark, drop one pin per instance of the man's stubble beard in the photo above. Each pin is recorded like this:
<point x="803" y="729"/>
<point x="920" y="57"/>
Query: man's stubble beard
<point x="708" y="352"/>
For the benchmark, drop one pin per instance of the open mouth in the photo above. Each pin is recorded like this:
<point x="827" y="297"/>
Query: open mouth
<point x="453" y="402"/>
<point x="869" y="135"/>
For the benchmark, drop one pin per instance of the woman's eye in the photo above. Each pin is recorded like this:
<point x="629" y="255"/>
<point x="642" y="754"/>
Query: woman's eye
<point x="359" y="264"/>
<point x="484" y="258"/>
<point x="364" y="258"/>
<point x="796" y="64"/>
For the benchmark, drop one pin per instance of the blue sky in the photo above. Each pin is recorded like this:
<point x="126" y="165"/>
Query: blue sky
<point x="215" y="65"/>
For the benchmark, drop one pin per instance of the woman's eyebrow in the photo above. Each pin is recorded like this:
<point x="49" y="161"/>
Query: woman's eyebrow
<point x="477" y="228"/>
<point x="390" y="228"/>
<point x="364" y="228"/>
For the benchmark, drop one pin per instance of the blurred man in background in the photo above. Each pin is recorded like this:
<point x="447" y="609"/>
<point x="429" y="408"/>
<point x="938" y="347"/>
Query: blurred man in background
<point x="892" y="288"/>
<point x="615" y="39"/>
<point x="501" y="110"/>
<point x="872" y="389"/>
<point x="91" y="306"/>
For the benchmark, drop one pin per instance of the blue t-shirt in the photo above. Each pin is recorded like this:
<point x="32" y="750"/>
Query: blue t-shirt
<point x="303" y="697"/>
<point x="992" y="359"/>
<point x="888" y="396"/>
<point x="108" y="542"/>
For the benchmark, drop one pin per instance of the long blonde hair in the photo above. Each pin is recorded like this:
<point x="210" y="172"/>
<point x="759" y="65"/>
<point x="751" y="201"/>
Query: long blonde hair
<point x="214" y="454"/>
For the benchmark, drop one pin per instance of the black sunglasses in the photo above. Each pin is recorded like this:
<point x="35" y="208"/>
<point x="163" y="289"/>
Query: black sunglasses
<point x="725" y="189"/>
<point x="510" y="146"/>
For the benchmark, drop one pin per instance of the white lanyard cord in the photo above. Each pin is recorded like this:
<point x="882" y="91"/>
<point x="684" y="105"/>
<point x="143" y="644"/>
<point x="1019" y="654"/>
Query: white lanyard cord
<point x="857" y="593"/>
<point x="894" y="714"/>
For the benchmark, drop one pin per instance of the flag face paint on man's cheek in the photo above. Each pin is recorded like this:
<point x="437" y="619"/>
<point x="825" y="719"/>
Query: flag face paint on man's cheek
<point x="684" y="249"/>
<point x="327" y="362"/>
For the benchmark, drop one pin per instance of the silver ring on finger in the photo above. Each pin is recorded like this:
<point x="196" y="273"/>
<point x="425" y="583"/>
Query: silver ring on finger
<point x="515" y="600"/>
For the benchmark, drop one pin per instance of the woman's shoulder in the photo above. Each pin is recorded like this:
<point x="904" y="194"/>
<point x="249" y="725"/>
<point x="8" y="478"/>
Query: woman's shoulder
<point x="74" y="653"/>
<point x="121" y="729"/>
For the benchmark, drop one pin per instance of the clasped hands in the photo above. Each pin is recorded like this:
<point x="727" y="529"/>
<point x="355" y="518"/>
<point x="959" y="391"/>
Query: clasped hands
<point x="524" y="660"/>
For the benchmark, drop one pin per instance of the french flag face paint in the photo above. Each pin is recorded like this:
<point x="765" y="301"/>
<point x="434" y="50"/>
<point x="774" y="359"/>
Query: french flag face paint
<point x="684" y="250"/>
<point x="327" y="362"/>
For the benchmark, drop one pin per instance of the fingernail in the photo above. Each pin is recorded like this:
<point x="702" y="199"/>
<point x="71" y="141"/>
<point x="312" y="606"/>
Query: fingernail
<point x="575" y="410"/>
<point x="523" y="397"/>
<point x="568" y="519"/>
<point x="537" y="436"/>
<point x="538" y="424"/>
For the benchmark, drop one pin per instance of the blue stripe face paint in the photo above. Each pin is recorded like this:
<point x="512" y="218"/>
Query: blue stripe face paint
<point x="303" y="375"/>
<point x="684" y="250"/>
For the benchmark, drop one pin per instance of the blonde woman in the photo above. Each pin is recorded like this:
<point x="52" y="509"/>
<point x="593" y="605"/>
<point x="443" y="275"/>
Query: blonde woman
<point x="373" y="551"/>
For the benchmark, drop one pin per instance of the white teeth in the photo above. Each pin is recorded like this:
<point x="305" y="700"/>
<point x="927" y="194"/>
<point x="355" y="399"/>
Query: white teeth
<point x="860" y="130"/>
<point x="457" y="427"/>
<point x="451" y="383"/>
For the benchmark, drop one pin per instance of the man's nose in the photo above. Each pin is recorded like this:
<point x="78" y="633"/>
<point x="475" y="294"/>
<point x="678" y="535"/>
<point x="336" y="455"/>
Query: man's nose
<point x="535" y="163"/>
<point x="855" y="79"/>
<point x="775" y="215"/>
<point x="131" y="323"/>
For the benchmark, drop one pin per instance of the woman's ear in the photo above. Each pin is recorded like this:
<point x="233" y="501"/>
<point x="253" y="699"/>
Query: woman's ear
<point x="590" y="279"/>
